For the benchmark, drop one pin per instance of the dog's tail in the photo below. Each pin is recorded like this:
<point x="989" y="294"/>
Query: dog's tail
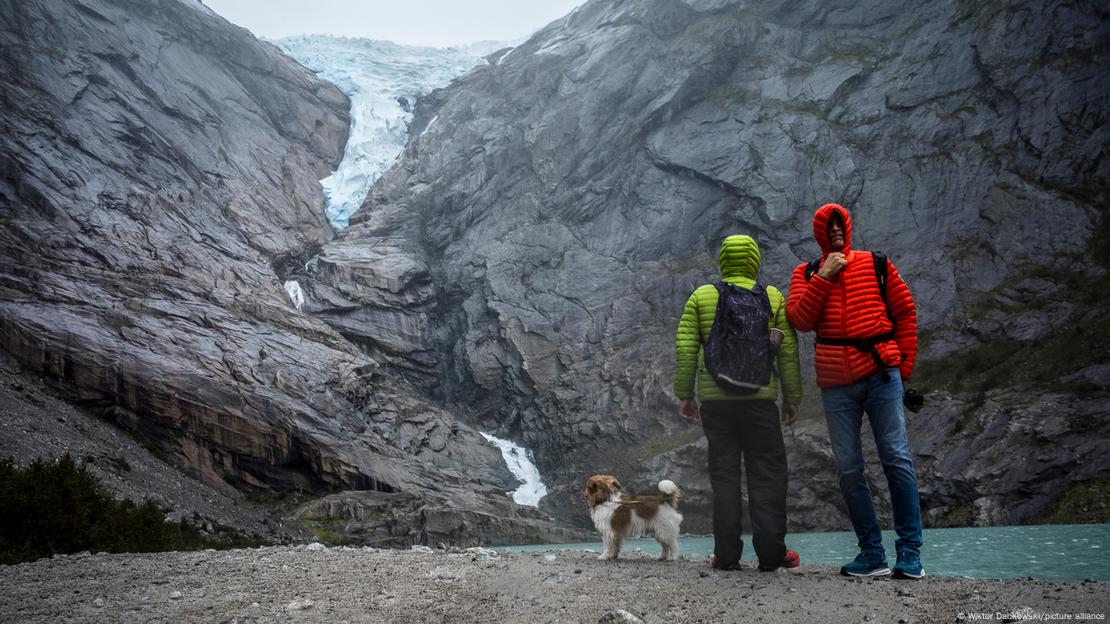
<point x="670" y="492"/>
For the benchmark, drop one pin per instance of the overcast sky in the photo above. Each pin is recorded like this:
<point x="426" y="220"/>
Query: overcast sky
<point x="416" y="22"/>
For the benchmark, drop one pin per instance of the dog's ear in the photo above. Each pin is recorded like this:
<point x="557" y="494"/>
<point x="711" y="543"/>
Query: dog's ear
<point x="616" y="484"/>
<point x="595" y="492"/>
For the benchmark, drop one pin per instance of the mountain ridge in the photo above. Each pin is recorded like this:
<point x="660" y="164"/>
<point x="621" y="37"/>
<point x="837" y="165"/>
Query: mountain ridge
<point x="573" y="193"/>
<point x="520" y="268"/>
<point x="159" y="166"/>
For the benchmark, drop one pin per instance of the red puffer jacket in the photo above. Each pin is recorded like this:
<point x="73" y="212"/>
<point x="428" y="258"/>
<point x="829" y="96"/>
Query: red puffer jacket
<point x="849" y="306"/>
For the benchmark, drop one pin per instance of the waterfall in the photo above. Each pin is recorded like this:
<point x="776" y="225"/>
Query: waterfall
<point x="296" y="295"/>
<point x="519" y="461"/>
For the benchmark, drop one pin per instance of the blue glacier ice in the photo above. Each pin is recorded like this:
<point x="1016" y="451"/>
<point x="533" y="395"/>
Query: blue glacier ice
<point x="383" y="80"/>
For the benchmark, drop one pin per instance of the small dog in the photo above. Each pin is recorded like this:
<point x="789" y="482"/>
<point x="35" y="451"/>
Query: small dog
<point x="617" y="517"/>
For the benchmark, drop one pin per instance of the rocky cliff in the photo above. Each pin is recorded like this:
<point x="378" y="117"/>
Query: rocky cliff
<point x="520" y="268"/>
<point x="159" y="170"/>
<point x="526" y="259"/>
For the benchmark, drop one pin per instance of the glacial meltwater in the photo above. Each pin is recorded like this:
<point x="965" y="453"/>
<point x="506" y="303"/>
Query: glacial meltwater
<point x="1048" y="552"/>
<point x="523" y="466"/>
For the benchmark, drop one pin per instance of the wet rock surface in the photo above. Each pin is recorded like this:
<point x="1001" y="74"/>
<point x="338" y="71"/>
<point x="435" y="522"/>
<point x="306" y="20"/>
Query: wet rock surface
<point x="399" y="520"/>
<point x="159" y="174"/>
<point x="335" y="584"/>
<point x="1010" y="460"/>
<point x="520" y="269"/>
<point x="39" y="423"/>
<point x="552" y="211"/>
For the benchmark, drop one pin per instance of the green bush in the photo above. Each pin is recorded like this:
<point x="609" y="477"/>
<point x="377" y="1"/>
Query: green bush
<point x="59" y="507"/>
<point x="1083" y="503"/>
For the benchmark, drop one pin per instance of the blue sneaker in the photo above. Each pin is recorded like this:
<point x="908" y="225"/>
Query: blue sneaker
<point x="908" y="566"/>
<point x="866" y="564"/>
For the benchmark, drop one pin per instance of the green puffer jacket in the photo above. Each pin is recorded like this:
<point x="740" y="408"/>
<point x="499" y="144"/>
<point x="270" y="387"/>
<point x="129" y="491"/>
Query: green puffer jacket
<point x="739" y="262"/>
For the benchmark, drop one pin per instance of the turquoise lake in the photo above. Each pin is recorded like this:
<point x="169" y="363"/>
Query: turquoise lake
<point x="1048" y="552"/>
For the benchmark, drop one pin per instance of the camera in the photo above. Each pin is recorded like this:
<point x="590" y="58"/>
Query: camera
<point x="913" y="400"/>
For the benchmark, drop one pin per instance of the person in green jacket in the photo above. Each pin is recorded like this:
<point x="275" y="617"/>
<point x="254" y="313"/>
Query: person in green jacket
<point x="741" y="425"/>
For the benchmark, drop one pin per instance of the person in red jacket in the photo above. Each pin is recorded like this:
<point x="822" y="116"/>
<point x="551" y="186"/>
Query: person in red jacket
<point x="865" y="350"/>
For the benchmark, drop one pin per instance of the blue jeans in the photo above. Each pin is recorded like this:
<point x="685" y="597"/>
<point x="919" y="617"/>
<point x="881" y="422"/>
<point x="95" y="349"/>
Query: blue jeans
<point x="844" y="408"/>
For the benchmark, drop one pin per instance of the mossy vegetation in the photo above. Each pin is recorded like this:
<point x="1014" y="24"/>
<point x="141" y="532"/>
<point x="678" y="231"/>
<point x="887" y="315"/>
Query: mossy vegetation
<point x="53" y="507"/>
<point x="1005" y="362"/>
<point x="282" y="503"/>
<point x="1040" y="364"/>
<point x="325" y="531"/>
<point x="663" y="442"/>
<point x="1082" y="503"/>
<point x="957" y="515"/>
<point x="1035" y="366"/>
<point x="968" y="424"/>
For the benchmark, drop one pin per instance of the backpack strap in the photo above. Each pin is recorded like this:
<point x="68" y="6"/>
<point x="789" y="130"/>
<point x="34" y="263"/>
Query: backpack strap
<point x="812" y="266"/>
<point x="864" y="344"/>
<point x="720" y="285"/>
<point x="880" y="274"/>
<point x="759" y="289"/>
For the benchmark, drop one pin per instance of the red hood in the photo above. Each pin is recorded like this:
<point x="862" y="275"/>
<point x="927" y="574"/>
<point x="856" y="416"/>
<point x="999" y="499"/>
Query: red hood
<point x="821" y="227"/>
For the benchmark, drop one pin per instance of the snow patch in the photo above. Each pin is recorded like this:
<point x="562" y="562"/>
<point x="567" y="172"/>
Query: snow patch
<point x="429" y="126"/>
<point x="502" y="57"/>
<point x="296" y="295"/>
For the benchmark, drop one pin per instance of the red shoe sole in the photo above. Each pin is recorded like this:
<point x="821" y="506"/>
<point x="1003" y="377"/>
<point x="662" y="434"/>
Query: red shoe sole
<point x="792" y="560"/>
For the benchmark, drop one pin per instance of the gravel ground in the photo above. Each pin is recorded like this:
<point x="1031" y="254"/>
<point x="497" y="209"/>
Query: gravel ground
<point x="316" y="584"/>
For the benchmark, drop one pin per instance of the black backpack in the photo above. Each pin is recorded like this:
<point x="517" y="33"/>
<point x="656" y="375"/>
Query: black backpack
<point x="738" y="351"/>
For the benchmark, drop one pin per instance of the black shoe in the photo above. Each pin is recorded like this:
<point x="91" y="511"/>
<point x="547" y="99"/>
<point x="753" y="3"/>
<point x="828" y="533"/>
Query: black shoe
<point x="735" y="565"/>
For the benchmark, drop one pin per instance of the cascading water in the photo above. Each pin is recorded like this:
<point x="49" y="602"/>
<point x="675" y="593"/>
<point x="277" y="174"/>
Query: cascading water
<point x="523" y="468"/>
<point x="296" y="295"/>
<point x="383" y="80"/>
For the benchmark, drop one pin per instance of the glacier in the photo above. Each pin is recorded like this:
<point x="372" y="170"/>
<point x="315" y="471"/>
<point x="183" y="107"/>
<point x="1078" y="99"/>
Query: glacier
<point x="383" y="80"/>
<point x="519" y="461"/>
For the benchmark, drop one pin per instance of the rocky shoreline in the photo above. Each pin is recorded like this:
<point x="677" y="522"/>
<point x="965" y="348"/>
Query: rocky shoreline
<point x="317" y="584"/>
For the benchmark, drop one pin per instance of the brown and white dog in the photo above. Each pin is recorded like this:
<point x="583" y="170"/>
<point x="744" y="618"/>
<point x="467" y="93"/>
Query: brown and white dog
<point x="618" y="517"/>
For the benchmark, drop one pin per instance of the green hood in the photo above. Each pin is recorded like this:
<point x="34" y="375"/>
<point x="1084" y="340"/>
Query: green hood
<point x="739" y="261"/>
<point x="739" y="257"/>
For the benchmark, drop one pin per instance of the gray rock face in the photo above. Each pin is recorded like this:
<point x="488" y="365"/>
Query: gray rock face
<point x="521" y="268"/>
<point x="158" y="176"/>
<point x="399" y="520"/>
<point x="1006" y="461"/>
<point x="37" y="423"/>
<point x="527" y="257"/>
